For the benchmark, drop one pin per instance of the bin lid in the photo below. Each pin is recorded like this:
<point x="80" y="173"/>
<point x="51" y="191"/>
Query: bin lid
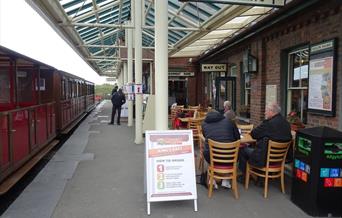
<point x="322" y="132"/>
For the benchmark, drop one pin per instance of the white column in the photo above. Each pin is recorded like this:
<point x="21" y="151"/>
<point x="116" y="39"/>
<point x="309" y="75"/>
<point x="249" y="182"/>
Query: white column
<point x="161" y="65"/>
<point x="120" y="80"/>
<point x="138" y="71"/>
<point x="125" y="73"/>
<point x="130" y="72"/>
<point x="151" y="78"/>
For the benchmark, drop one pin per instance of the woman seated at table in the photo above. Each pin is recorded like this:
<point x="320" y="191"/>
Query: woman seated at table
<point x="216" y="127"/>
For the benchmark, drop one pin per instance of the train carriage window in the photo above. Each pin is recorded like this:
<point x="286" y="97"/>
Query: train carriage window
<point x="5" y="86"/>
<point x="70" y="89"/>
<point x="25" y="86"/>
<point x="45" y="83"/>
<point x="63" y="90"/>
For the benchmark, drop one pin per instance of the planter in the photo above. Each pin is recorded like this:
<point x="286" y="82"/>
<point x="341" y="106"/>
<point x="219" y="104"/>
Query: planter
<point x="295" y="127"/>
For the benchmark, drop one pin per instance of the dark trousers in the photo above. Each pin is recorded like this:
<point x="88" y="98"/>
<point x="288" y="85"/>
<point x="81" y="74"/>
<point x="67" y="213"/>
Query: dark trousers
<point x="114" y="109"/>
<point x="244" y="155"/>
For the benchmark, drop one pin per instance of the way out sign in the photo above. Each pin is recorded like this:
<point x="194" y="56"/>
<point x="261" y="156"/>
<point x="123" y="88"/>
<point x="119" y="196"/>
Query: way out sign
<point x="170" y="167"/>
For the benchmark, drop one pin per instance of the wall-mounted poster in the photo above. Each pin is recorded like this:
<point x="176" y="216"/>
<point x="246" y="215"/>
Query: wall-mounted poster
<point x="322" y="78"/>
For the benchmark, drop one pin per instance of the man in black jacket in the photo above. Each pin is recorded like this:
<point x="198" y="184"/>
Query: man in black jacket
<point x="218" y="128"/>
<point x="274" y="127"/>
<point x="118" y="99"/>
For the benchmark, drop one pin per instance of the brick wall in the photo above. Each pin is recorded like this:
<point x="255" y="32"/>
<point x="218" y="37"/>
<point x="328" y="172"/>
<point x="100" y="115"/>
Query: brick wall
<point x="189" y="66"/>
<point x="318" y="23"/>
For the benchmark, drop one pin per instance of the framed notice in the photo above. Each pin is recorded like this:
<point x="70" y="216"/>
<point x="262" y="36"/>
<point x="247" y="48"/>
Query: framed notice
<point x="271" y="94"/>
<point x="322" y="78"/>
<point x="170" y="166"/>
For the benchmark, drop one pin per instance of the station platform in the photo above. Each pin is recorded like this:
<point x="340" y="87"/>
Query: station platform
<point x="99" y="172"/>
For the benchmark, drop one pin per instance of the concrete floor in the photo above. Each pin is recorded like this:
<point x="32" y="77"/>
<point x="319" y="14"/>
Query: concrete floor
<point x="99" y="172"/>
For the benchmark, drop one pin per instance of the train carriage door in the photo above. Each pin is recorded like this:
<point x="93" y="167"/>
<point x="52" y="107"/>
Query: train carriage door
<point x="225" y="90"/>
<point x="6" y="86"/>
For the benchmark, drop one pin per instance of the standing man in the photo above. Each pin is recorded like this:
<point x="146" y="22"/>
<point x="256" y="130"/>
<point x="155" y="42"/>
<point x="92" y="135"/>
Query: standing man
<point x="274" y="127"/>
<point x="118" y="99"/>
<point x="115" y="89"/>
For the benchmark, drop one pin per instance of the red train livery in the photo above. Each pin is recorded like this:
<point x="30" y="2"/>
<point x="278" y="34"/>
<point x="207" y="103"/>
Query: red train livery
<point x="37" y="102"/>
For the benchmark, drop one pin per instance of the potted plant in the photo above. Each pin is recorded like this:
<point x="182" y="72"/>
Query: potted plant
<point x="294" y="121"/>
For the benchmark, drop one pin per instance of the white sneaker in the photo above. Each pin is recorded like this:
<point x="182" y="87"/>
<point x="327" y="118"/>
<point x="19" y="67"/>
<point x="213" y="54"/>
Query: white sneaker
<point x="225" y="183"/>
<point x="215" y="184"/>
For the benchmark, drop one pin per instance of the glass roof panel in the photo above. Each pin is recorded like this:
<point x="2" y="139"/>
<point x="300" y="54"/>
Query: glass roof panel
<point x="194" y="27"/>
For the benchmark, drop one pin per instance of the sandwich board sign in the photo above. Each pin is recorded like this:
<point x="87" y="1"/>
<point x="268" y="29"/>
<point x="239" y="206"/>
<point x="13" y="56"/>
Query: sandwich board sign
<point x="170" y="166"/>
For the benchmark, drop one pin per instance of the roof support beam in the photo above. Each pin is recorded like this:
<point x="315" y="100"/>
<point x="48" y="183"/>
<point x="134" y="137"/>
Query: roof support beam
<point x="262" y="3"/>
<point x="226" y="14"/>
<point x="109" y="46"/>
<point x="90" y="13"/>
<point x="189" y="22"/>
<point x="122" y="26"/>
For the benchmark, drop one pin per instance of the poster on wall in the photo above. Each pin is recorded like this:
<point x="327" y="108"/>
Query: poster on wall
<point x="170" y="166"/>
<point x="271" y="94"/>
<point x="322" y="78"/>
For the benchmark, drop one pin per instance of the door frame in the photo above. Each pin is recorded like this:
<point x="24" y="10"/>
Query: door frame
<point x="218" y="80"/>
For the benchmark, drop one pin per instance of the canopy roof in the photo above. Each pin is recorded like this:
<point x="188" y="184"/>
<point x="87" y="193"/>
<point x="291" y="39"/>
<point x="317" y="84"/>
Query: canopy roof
<point x="94" y="28"/>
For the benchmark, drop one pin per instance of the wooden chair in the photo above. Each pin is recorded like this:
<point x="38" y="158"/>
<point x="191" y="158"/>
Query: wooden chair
<point x="274" y="168"/>
<point x="197" y="107"/>
<point x="174" y="112"/>
<point x="195" y="125"/>
<point x="201" y="114"/>
<point x="245" y="128"/>
<point x="223" y="163"/>
<point x="201" y="156"/>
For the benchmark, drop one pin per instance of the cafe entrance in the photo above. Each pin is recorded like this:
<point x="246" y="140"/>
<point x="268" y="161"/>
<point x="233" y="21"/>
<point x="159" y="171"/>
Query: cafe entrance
<point x="225" y="90"/>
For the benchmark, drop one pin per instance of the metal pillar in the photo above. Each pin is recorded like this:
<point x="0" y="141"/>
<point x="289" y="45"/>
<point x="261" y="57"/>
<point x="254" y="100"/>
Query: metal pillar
<point x="138" y="71"/>
<point x="161" y="65"/>
<point x="130" y="73"/>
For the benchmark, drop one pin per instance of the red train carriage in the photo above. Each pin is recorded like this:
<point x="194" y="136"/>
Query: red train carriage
<point x="37" y="102"/>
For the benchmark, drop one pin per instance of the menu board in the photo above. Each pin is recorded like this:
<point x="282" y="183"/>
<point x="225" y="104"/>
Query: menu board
<point x="322" y="84"/>
<point x="170" y="166"/>
<point x="321" y="72"/>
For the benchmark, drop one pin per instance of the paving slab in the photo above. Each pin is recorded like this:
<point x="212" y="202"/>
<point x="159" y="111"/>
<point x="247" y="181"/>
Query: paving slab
<point x="110" y="183"/>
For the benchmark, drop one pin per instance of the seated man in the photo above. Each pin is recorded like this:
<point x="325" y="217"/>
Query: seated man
<point x="228" y="111"/>
<point x="274" y="127"/>
<point x="218" y="128"/>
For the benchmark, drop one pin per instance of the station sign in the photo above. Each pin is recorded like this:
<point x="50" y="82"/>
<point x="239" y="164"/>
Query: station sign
<point x="138" y="89"/>
<point x="181" y="74"/>
<point x="214" y="67"/>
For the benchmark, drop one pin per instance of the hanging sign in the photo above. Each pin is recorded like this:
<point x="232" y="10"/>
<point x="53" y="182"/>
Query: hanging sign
<point x="129" y="88"/>
<point x="138" y="89"/>
<point x="214" y="67"/>
<point x="170" y="166"/>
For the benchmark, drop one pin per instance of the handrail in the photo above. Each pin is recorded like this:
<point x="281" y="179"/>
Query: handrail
<point x="26" y="108"/>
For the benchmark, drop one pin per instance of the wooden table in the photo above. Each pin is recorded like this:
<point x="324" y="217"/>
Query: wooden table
<point x="185" y="119"/>
<point x="247" y="138"/>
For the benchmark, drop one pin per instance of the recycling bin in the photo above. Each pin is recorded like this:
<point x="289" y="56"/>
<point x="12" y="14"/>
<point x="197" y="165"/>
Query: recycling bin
<point x="317" y="171"/>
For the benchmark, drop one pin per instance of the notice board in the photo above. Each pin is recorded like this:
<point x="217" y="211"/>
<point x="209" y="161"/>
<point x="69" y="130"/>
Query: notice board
<point x="170" y="166"/>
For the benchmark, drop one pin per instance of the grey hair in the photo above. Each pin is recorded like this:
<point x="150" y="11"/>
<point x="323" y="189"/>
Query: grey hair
<point x="274" y="107"/>
<point x="227" y="104"/>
